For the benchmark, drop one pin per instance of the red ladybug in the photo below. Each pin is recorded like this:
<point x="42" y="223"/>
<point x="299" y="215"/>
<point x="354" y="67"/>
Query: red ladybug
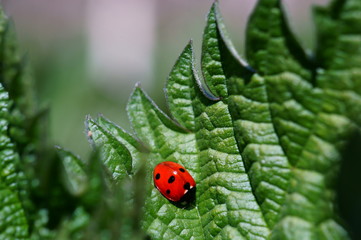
<point x="173" y="181"/>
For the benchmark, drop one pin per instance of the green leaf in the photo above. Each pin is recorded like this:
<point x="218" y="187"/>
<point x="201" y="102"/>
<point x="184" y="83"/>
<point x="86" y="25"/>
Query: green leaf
<point x="180" y="91"/>
<point x="258" y="143"/>
<point x="72" y="228"/>
<point x="302" y="115"/>
<point x="130" y="142"/>
<point x="13" y="222"/>
<point x="14" y="73"/>
<point x="117" y="158"/>
<point x="339" y="54"/>
<point x="74" y="172"/>
<point x="16" y="80"/>
<point x="21" y="130"/>
<point x="271" y="46"/>
<point x="40" y="231"/>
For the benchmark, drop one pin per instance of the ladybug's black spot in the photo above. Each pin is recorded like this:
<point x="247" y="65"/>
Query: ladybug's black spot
<point x="182" y="170"/>
<point x="168" y="191"/>
<point x="171" y="179"/>
<point x="157" y="176"/>
<point x="187" y="186"/>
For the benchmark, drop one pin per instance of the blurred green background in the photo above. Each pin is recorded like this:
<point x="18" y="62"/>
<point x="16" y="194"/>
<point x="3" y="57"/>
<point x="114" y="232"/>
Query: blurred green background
<point x="87" y="55"/>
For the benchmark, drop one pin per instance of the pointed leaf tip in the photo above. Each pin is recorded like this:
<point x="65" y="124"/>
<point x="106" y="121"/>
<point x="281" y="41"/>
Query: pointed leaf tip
<point x="220" y="60"/>
<point x="271" y="46"/>
<point x="115" y="155"/>
<point x="138" y="85"/>
<point x="133" y="145"/>
<point x="145" y="117"/>
<point x="180" y="88"/>
<point x="74" y="172"/>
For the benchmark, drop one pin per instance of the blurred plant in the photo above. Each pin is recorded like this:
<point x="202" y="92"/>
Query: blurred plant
<point x="264" y="141"/>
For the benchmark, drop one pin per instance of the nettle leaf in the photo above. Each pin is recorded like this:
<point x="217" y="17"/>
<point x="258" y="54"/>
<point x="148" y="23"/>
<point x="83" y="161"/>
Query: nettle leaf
<point x="13" y="70"/>
<point x="16" y="80"/>
<point x="13" y="222"/>
<point x="263" y="141"/>
<point x="75" y="175"/>
<point x="21" y="129"/>
<point x="116" y="156"/>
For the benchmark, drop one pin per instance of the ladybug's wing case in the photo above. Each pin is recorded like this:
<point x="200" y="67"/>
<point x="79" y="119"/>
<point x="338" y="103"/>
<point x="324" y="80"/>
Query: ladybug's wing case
<point x="172" y="182"/>
<point x="181" y="172"/>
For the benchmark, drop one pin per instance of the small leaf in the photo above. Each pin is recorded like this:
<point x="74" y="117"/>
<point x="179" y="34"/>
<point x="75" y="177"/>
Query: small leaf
<point x="179" y="92"/>
<point x="74" y="172"/>
<point x="146" y="117"/>
<point x="115" y="155"/>
<point x="133" y="145"/>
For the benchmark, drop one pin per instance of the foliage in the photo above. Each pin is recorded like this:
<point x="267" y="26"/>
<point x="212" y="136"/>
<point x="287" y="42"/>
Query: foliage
<point x="256" y="137"/>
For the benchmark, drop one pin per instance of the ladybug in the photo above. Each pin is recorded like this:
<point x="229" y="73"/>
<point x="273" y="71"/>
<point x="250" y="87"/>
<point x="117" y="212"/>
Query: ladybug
<point x="173" y="181"/>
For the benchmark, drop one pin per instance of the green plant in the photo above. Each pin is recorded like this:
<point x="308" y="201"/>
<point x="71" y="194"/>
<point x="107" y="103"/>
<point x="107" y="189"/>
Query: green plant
<point x="263" y="142"/>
